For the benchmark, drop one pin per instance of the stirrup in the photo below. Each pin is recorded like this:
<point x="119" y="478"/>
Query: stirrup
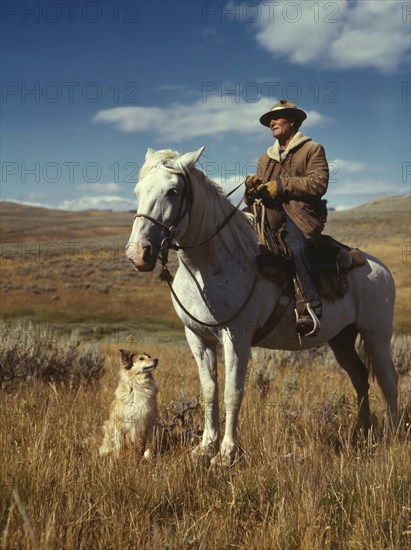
<point x="308" y="320"/>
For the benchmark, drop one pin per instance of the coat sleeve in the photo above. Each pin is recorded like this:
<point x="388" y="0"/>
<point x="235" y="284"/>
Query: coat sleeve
<point x="313" y="181"/>
<point x="260" y="166"/>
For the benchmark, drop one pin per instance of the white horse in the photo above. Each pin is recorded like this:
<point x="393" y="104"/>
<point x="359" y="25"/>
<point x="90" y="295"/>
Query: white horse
<point x="221" y="298"/>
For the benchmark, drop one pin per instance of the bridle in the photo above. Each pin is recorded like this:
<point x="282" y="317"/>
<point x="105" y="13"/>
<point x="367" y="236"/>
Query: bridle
<point x="167" y="242"/>
<point x="187" y="197"/>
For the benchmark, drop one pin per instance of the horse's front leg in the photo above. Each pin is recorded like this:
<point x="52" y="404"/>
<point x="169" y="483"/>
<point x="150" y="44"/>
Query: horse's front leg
<point x="205" y="355"/>
<point x="236" y="359"/>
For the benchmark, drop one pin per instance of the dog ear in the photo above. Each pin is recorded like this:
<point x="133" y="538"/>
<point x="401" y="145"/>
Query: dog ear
<point x="126" y="358"/>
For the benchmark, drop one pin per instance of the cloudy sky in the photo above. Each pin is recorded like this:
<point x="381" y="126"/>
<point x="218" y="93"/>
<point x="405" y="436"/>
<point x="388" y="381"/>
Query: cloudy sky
<point x="88" y="86"/>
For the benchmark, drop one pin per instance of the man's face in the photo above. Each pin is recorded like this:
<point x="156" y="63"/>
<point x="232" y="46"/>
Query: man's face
<point x="282" y="128"/>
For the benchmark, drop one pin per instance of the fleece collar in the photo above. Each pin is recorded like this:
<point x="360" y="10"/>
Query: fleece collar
<point x="274" y="151"/>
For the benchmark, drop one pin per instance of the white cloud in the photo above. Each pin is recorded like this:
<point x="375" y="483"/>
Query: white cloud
<point x="130" y="119"/>
<point x="29" y="203"/>
<point x="341" y="207"/>
<point x="212" y="35"/>
<point x="100" y="187"/>
<point x="339" y="34"/>
<point x="349" y="166"/>
<point x="214" y="116"/>
<point x="101" y="202"/>
<point x="369" y="187"/>
<point x="228" y="186"/>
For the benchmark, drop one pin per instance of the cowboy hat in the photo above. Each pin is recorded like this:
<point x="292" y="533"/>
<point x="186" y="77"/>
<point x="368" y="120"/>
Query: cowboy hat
<point x="284" y="108"/>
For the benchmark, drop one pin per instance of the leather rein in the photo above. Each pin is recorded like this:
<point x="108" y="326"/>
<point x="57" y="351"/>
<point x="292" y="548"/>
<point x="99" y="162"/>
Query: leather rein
<point x="166" y="244"/>
<point x="171" y="230"/>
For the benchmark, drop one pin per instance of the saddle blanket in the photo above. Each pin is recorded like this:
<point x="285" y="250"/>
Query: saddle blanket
<point x="333" y="260"/>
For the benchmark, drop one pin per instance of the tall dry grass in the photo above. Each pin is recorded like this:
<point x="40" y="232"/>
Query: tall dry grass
<point x="299" y="484"/>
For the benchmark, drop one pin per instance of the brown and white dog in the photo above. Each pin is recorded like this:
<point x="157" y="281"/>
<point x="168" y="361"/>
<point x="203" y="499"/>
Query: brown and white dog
<point x="133" y="412"/>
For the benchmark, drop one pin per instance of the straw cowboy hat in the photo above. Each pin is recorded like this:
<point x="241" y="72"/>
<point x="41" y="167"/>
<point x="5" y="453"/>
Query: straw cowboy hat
<point x="283" y="107"/>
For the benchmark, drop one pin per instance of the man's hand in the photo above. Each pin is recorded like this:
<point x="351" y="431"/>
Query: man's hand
<point x="272" y="189"/>
<point x="251" y="185"/>
<point x="267" y="192"/>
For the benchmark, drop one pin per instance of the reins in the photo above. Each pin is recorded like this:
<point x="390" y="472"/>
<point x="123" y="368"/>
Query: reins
<point x="235" y="189"/>
<point x="167" y="243"/>
<point x="170" y="231"/>
<point x="166" y="276"/>
<point x="187" y="196"/>
<point x="219" y="228"/>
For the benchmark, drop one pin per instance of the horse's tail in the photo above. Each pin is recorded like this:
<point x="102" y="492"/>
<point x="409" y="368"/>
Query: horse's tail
<point x="365" y="356"/>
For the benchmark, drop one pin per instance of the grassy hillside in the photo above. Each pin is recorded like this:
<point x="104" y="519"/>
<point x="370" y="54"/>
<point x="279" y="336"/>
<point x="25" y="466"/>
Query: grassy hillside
<point x="62" y="267"/>
<point x="300" y="484"/>
<point x="70" y="267"/>
<point x="382" y="228"/>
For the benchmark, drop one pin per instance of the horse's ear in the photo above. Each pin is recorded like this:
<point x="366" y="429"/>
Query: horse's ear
<point x="189" y="159"/>
<point x="150" y="153"/>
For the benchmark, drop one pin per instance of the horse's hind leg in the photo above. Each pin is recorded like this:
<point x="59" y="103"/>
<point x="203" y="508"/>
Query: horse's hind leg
<point x="343" y="346"/>
<point x="378" y="352"/>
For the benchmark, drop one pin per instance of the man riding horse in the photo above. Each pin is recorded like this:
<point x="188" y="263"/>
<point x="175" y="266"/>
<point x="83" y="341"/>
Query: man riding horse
<point x="292" y="176"/>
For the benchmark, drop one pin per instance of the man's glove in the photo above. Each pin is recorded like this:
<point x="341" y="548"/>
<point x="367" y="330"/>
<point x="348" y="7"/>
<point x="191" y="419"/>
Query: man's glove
<point x="272" y="188"/>
<point x="267" y="192"/>
<point x="251" y="185"/>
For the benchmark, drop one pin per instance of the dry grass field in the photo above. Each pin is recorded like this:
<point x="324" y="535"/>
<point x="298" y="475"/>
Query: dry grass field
<point x="300" y="483"/>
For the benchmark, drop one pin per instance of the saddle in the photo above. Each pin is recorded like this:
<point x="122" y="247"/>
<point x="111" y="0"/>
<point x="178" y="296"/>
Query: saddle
<point x="333" y="260"/>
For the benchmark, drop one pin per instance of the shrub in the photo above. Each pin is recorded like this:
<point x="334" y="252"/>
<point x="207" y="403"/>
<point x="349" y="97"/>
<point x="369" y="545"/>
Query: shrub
<point x="401" y="354"/>
<point x="29" y="351"/>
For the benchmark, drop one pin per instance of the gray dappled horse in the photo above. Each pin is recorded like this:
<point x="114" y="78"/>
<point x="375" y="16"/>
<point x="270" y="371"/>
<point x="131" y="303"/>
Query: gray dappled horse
<point x="221" y="298"/>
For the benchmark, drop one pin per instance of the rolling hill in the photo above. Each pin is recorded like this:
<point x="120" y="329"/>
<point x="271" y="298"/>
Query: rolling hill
<point x="60" y="266"/>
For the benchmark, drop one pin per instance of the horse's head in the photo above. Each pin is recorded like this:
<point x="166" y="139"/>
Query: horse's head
<point x="164" y="194"/>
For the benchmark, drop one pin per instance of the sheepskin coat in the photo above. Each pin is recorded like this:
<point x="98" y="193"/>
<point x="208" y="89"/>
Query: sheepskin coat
<point x="302" y="174"/>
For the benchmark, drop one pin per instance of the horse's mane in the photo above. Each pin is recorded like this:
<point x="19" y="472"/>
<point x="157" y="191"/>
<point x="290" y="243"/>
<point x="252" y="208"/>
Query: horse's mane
<point x="158" y="158"/>
<point x="210" y="207"/>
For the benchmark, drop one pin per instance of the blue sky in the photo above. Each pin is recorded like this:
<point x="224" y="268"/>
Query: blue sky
<point x="88" y="86"/>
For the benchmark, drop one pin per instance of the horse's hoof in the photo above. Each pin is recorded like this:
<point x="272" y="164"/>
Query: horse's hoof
<point x="360" y="434"/>
<point x="217" y="463"/>
<point x="201" y="456"/>
<point x="223" y="461"/>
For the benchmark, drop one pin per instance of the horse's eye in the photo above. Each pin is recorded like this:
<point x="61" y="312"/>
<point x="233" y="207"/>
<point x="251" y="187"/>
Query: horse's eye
<point x="172" y="192"/>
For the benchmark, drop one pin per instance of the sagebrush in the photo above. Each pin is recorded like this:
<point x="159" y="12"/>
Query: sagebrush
<point x="31" y="351"/>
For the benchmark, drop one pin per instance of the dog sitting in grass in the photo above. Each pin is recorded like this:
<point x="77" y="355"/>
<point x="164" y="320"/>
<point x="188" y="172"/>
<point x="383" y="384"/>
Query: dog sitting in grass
<point x="133" y="412"/>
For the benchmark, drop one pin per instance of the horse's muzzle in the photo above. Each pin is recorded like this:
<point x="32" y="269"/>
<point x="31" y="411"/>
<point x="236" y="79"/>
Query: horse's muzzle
<point x="143" y="258"/>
